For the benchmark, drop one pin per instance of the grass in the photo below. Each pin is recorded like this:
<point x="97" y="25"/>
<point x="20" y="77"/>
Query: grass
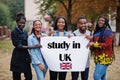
<point x="6" y="46"/>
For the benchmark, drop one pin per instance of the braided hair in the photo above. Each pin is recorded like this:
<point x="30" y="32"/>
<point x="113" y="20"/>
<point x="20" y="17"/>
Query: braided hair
<point x="105" y="27"/>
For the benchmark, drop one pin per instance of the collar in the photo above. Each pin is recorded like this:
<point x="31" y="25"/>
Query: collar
<point x="20" y="30"/>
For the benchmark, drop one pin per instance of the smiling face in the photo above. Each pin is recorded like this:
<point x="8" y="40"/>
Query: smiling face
<point x="61" y="24"/>
<point x="37" y="26"/>
<point x="82" y="24"/>
<point x="101" y="22"/>
<point x="21" y="23"/>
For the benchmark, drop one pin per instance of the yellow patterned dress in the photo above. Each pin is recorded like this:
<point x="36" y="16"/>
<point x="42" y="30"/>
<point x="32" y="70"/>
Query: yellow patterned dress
<point x="103" y="51"/>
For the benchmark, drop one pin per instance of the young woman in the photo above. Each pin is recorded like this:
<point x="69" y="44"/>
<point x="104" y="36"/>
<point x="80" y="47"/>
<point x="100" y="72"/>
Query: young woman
<point x="20" y="61"/>
<point x="38" y="62"/>
<point x="102" y="44"/>
<point x="60" y="30"/>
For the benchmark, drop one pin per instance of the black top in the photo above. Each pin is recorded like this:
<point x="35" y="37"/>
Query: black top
<point x="20" y="61"/>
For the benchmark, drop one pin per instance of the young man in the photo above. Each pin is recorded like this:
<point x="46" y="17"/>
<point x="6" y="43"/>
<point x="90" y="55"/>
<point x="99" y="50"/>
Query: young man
<point x="82" y="31"/>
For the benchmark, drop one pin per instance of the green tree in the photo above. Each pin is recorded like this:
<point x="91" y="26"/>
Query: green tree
<point x="47" y="5"/>
<point x="6" y="2"/>
<point x="4" y="15"/>
<point x="15" y="7"/>
<point x="72" y="9"/>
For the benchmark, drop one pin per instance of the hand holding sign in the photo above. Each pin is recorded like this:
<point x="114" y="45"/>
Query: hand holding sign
<point x="65" y="54"/>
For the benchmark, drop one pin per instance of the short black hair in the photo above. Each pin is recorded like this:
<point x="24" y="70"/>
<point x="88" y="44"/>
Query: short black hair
<point x="81" y="17"/>
<point x="20" y="16"/>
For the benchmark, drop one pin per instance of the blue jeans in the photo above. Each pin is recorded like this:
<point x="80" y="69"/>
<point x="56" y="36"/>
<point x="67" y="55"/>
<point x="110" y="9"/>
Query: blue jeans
<point x="100" y="72"/>
<point x="40" y="74"/>
<point x="84" y="75"/>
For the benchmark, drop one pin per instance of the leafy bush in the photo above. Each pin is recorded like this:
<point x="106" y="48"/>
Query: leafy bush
<point x="4" y="15"/>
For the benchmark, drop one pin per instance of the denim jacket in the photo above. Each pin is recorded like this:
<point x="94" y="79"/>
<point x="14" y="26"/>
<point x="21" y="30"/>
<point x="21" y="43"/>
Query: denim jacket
<point x="35" y="53"/>
<point x="57" y="33"/>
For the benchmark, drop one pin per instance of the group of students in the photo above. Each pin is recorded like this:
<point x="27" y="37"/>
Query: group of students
<point x="100" y="42"/>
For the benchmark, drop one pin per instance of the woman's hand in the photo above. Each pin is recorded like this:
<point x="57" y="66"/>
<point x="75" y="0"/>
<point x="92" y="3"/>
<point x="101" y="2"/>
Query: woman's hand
<point x="90" y="44"/>
<point x="42" y="68"/>
<point x="51" y="32"/>
<point x="69" y="36"/>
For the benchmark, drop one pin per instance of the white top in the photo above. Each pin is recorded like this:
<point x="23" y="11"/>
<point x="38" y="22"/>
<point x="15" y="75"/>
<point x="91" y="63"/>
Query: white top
<point x="78" y="33"/>
<point x="61" y="33"/>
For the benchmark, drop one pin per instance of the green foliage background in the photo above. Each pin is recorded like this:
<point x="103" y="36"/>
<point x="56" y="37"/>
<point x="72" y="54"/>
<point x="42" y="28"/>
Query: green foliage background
<point x="6" y="46"/>
<point x="8" y="11"/>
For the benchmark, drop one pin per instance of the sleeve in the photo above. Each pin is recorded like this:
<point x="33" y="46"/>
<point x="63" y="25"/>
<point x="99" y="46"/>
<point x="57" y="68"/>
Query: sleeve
<point x="15" y="40"/>
<point x="107" y="41"/>
<point x="33" y="53"/>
